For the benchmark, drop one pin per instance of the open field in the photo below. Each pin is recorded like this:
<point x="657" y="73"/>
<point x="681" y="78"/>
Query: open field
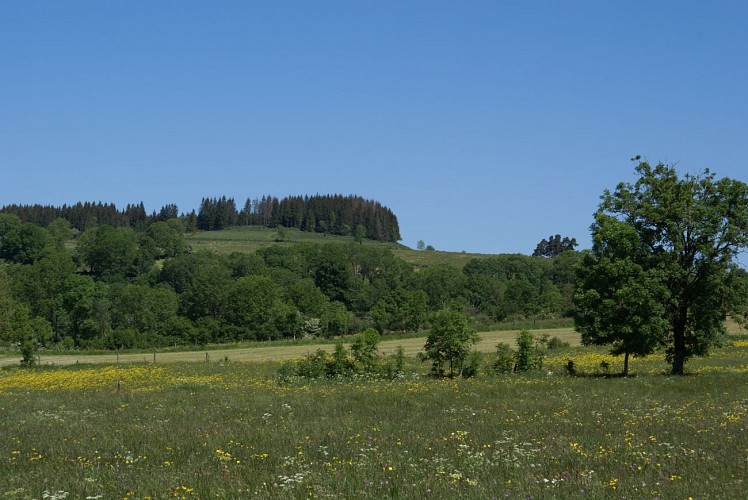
<point x="258" y="352"/>
<point x="249" y="239"/>
<point x="229" y="430"/>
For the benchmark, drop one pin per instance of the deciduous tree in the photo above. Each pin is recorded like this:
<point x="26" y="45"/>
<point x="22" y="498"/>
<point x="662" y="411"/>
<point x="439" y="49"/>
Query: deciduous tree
<point x="449" y="342"/>
<point x="663" y="240"/>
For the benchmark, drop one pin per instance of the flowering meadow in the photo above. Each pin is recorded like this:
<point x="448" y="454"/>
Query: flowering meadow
<point x="231" y="429"/>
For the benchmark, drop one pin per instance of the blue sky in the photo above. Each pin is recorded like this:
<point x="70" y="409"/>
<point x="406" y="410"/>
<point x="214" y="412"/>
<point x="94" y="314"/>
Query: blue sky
<point x="484" y="125"/>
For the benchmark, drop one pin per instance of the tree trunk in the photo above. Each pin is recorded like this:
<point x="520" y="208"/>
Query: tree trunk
<point x="626" y="365"/>
<point x="679" y="344"/>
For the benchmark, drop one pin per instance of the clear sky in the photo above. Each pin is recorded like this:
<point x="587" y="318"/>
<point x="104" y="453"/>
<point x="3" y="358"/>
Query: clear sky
<point x="484" y="125"/>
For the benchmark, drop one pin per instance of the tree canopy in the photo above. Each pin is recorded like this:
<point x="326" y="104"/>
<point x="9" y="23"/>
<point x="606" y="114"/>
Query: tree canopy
<point x="449" y="342"/>
<point x="554" y="246"/>
<point x="663" y="257"/>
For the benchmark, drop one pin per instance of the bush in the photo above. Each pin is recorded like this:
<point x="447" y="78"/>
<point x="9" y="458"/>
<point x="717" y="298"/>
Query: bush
<point x="28" y="353"/>
<point x="364" y="349"/>
<point x="530" y="353"/>
<point x="363" y="359"/>
<point x="399" y="361"/>
<point x="505" y="357"/>
<point x="339" y="365"/>
<point x="313" y="365"/>
<point x="472" y="364"/>
<point x="556" y="343"/>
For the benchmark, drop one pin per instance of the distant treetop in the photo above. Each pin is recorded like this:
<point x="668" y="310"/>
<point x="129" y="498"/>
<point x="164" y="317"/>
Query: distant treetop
<point x="554" y="246"/>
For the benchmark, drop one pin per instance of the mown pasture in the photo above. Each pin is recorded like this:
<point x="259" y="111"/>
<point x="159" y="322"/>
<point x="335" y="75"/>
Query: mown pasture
<point x="230" y="429"/>
<point x="270" y="351"/>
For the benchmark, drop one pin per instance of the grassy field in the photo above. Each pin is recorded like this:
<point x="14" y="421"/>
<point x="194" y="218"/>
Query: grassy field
<point x="249" y="239"/>
<point x="230" y="430"/>
<point x="263" y="352"/>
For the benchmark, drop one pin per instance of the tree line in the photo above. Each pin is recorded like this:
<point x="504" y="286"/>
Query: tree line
<point x="117" y="287"/>
<point x="663" y="273"/>
<point x="333" y="214"/>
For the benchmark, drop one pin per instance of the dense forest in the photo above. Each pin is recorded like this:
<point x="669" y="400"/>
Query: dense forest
<point x="333" y="214"/>
<point x="110" y="286"/>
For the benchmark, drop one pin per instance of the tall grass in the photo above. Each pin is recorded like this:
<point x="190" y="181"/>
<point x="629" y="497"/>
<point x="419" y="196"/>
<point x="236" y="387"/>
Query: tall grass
<point x="230" y="430"/>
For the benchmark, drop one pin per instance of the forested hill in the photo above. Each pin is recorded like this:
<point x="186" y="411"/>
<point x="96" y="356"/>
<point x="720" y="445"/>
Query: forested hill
<point x="333" y="214"/>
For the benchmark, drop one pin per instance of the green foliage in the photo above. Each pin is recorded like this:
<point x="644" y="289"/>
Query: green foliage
<point x="61" y="232"/>
<point x="335" y="320"/>
<point x="114" y="253"/>
<point x="24" y="243"/>
<point x="359" y="234"/>
<point x="365" y="348"/>
<point x="443" y="284"/>
<point x="555" y="343"/>
<point x="314" y="365"/>
<point x="472" y="364"/>
<point x="449" y="343"/>
<point x="663" y="255"/>
<point x="554" y="246"/>
<point x="399" y="364"/>
<point x="28" y="353"/>
<point x="517" y="286"/>
<point x="8" y="222"/>
<point x="530" y="353"/>
<point x="168" y="239"/>
<point x="505" y="359"/>
<point x="738" y="287"/>
<point x="339" y="364"/>
<point x="362" y="360"/>
<point x="620" y="304"/>
<point x="115" y="295"/>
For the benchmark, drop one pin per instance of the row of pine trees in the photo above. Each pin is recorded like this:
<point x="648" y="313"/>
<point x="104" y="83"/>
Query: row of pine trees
<point x="333" y="214"/>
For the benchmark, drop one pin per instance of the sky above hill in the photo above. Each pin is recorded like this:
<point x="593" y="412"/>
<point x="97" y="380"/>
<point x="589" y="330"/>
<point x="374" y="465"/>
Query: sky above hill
<point x="484" y="125"/>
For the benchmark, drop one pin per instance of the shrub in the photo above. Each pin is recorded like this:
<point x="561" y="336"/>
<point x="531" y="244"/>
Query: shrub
<point x="399" y="361"/>
<point x="505" y="356"/>
<point x="529" y="352"/>
<point x="556" y="343"/>
<point x="313" y="365"/>
<point x="363" y="359"/>
<point x="570" y="368"/>
<point x="364" y="349"/>
<point x="472" y="364"/>
<point x="339" y="364"/>
<point x="28" y="353"/>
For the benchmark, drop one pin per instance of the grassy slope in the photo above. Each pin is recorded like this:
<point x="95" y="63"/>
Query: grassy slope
<point x="249" y="239"/>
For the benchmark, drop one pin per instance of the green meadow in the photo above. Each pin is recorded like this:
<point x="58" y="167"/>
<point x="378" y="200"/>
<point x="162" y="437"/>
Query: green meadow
<point x="249" y="238"/>
<point x="232" y="429"/>
<point x="268" y="351"/>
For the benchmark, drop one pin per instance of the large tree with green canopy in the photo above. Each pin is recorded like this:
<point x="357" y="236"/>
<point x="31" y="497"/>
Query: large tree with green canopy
<point x="663" y="257"/>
